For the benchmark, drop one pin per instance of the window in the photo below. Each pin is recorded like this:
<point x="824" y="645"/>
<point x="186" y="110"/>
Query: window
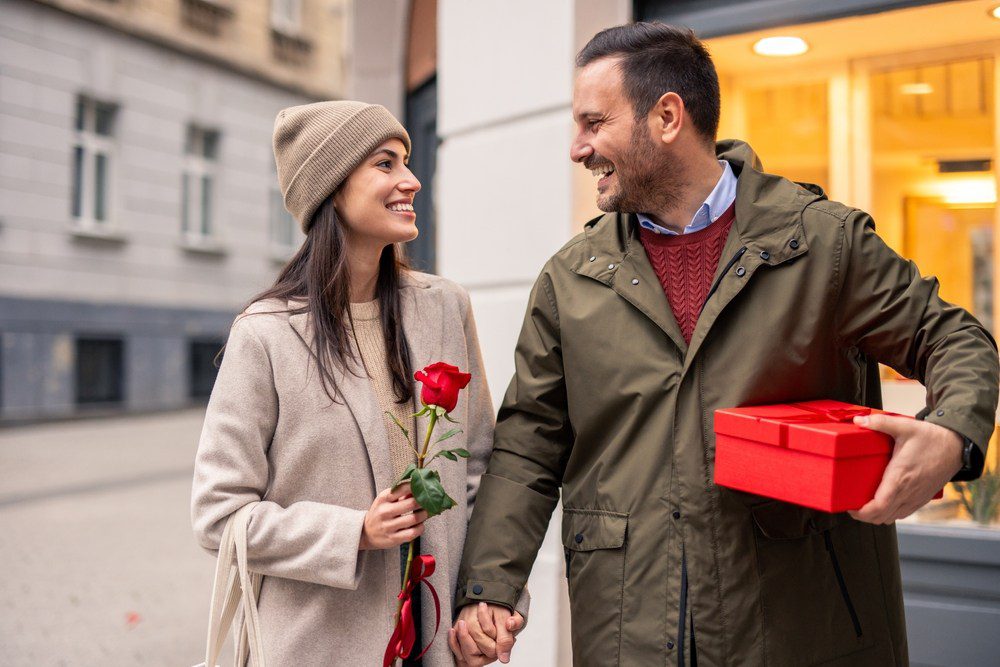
<point x="93" y="155"/>
<point x="286" y="16"/>
<point x="906" y="131"/>
<point x="934" y="186"/>
<point x="202" y="355"/>
<point x="198" y="184"/>
<point x="288" y="44"/>
<point x="207" y="16"/>
<point x="99" y="371"/>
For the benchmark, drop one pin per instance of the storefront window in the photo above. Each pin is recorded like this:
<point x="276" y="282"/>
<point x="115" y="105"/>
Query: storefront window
<point x="905" y="132"/>
<point x="934" y="191"/>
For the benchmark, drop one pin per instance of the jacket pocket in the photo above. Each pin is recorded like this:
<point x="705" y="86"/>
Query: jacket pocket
<point x="839" y="574"/>
<point x="808" y="587"/>
<point x="594" y="542"/>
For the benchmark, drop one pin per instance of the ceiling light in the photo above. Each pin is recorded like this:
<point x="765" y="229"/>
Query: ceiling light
<point x="916" y="89"/>
<point x="780" y="46"/>
<point x="995" y="12"/>
<point x="972" y="190"/>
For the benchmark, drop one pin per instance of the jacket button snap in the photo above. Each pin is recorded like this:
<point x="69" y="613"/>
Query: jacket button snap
<point x="765" y="255"/>
<point x="477" y="589"/>
<point x="940" y="413"/>
<point x="670" y="645"/>
<point x="794" y="243"/>
<point x="677" y="514"/>
<point x="740" y="271"/>
<point x="611" y="266"/>
<point x="592" y="259"/>
<point x="635" y="281"/>
<point x="578" y="538"/>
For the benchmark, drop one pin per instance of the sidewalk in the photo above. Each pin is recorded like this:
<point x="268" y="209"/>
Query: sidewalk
<point x="100" y="565"/>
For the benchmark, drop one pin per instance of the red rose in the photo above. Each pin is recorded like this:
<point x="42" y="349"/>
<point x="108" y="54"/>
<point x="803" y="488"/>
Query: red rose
<point x="442" y="382"/>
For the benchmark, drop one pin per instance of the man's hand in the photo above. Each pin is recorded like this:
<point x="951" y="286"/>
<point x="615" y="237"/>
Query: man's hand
<point x="483" y="633"/>
<point x="925" y="458"/>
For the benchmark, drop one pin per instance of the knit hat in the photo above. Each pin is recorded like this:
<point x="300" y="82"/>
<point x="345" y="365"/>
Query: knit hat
<point x="316" y="146"/>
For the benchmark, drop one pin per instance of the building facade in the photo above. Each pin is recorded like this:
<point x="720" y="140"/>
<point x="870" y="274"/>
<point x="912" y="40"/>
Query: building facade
<point x="139" y="206"/>
<point x="139" y="209"/>
<point x="891" y="109"/>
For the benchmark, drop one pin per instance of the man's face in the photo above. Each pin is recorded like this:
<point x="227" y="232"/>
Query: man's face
<point x="632" y="170"/>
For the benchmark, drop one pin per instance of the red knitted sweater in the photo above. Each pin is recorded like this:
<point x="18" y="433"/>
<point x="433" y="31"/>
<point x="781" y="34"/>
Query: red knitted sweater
<point x="686" y="264"/>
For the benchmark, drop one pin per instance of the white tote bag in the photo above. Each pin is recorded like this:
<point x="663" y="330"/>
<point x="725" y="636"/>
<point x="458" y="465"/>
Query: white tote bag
<point x="235" y="587"/>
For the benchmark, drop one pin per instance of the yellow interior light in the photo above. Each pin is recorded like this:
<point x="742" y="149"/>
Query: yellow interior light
<point x="916" y="89"/>
<point x="981" y="190"/>
<point x="780" y="46"/>
<point x="995" y="12"/>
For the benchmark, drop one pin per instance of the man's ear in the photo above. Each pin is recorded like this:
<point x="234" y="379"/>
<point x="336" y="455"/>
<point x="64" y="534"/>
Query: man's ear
<point x="668" y="117"/>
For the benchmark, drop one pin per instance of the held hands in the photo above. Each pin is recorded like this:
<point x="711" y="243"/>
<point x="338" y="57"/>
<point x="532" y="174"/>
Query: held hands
<point x="394" y="518"/>
<point x="925" y="457"/>
<point x="483" y="633"/>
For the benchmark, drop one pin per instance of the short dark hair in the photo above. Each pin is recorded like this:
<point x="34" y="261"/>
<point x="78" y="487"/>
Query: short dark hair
<point x="657" y="58"/>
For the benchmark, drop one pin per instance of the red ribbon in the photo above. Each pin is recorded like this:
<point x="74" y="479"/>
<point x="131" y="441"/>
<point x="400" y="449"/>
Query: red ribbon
<point x="824" y="415"/>
<point x="405" y="634"/>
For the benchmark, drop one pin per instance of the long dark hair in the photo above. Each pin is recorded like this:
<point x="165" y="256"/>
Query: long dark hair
<point x="318" y="274"/>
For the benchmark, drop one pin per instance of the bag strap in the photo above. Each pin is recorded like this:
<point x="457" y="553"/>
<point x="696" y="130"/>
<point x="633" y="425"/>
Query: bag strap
<point x="234" y="584"/>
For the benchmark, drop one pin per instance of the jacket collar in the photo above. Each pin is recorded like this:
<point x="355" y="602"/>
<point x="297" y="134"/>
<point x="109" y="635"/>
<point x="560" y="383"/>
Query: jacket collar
<point x="768" y="216"/>
<point x="424" y="326"/>
<point x="768" y="229"/>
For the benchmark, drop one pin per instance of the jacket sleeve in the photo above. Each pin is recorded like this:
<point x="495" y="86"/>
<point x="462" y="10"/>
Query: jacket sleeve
<point x="308" y="541"/>
<point x="892" y="314"/>
<point x="530" y="446"/>
<point x="481" y="427"/>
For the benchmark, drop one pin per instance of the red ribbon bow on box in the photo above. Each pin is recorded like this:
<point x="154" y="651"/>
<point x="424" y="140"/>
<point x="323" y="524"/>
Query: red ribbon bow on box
<point x="823" y="415"/>
<point x="836" y="415"/>
<point x="405" y="634"/>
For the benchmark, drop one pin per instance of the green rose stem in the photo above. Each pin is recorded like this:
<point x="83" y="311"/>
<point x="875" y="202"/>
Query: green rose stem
<point x="420" y="464"/>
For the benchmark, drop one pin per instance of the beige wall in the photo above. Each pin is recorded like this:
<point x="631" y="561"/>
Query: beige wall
<point x="508" y="196"/>
<point x="245" y="40"/>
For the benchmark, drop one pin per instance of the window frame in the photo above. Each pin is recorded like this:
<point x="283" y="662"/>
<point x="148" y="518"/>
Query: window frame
<point x="91" y="145"/>
<point x="197" y="228"/>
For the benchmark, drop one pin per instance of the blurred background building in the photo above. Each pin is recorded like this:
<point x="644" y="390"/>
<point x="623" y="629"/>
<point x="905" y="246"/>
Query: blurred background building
<point x="140" y="211"/>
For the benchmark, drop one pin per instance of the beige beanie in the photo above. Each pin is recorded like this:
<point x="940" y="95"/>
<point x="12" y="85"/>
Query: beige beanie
<point x="316" y="146"/>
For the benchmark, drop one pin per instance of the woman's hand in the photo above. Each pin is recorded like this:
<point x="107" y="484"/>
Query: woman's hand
<point x="394" y="518"/>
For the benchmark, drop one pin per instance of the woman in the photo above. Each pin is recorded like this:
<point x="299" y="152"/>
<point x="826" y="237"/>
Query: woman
<point x="297" y="418"/>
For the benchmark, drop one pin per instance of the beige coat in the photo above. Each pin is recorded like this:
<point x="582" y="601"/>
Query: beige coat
<point x="272" y="434"/>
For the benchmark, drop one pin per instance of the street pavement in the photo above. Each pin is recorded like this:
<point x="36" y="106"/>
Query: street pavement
<point x="99" y="563"/>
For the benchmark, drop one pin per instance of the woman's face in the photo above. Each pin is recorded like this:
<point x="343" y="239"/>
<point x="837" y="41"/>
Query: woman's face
<point x="375" y="203"/>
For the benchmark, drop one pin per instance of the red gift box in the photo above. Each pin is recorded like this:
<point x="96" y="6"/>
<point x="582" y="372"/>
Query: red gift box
<point x="809" y="453"/>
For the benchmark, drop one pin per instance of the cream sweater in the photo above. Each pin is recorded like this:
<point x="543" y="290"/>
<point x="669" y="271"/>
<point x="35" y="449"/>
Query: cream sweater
<point x="371" y="344"/>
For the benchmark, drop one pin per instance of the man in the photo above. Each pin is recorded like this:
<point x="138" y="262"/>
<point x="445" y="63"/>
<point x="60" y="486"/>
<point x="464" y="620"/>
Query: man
<point x="709" y="284"/>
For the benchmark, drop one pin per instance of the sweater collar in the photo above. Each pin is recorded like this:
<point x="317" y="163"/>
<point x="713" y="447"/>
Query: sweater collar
<point x="768" y="217"/>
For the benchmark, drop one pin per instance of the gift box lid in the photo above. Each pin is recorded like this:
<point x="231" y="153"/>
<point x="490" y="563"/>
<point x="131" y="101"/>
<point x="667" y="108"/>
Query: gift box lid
<point x="822" y="427"/>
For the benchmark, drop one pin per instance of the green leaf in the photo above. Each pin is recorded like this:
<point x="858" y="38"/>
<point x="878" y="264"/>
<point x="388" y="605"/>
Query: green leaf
<point x="448" y="417"/>
<point x="423" y="411"/>
<point x="406" y="475"/>
<point x="429" y="492"/>
<point x="450" y="434"/>
<point x="451" y="454"/>
<point x="401" y="427"/>
<point x="441" y="412"/>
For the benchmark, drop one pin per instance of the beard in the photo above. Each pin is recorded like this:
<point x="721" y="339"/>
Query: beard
<point x="646" y="178"/>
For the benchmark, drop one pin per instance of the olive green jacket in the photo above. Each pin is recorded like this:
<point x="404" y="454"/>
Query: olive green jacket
<point x="609" y="405"/>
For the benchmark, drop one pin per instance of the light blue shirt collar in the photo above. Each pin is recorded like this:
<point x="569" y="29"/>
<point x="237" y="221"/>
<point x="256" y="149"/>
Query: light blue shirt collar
<point x="719" y="200"/>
